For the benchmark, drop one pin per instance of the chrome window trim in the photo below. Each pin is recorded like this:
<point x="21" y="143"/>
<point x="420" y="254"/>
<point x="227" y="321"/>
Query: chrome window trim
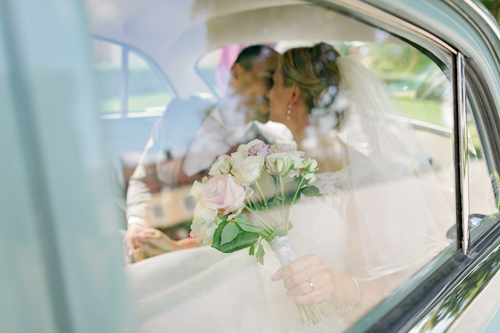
<point x="488" y="126"/>
<point x="431" y="128"/>
<point x="461" y="159"/>
<point x="481" y="255"/>
<point x="485" y="16"/>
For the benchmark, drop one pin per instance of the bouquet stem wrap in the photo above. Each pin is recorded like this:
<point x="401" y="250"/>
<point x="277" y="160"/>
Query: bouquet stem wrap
<point x="247" y="200"/>
<point x="282" y="247"/>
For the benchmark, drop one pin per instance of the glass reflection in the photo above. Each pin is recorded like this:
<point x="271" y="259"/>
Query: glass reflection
<point x="453" y="305"/>
<point x="348" y="103"/>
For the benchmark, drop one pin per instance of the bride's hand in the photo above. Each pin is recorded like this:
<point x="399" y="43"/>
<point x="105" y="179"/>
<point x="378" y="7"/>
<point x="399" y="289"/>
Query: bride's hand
<point x="299" y="276"/>
<point x="153" y="242"/>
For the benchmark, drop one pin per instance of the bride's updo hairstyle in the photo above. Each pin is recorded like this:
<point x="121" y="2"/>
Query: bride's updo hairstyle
<point x="314" y="70"/>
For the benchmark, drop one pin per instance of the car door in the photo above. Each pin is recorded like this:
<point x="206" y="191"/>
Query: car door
<point x="425" y="88"/>
<point x="459" y="296"/>
<point x="61" y="268"/>
<point x="435" y="91"/>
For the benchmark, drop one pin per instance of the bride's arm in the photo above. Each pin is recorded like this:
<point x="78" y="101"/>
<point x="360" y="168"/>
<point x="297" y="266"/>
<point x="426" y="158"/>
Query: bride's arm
<point x="348" y="296"/>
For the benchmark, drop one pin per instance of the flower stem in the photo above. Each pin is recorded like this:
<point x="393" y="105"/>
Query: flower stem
<point x="298" y="188"/>
<point x="295" y="196"/>
<point x="262" y="193"/>
<point x="264" y="223"/>
<point x="283" y="201"/>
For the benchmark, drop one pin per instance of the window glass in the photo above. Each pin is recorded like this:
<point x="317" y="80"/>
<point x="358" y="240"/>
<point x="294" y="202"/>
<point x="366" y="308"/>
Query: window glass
<point x="483" y="184"/>
<point x="108" y="69"/>
<point x="353" y="164"/>
<point x="145" y="90"/>
<point x="420" y="86"/>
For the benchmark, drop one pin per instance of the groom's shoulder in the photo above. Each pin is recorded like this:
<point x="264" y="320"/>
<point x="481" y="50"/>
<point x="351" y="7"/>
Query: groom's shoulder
<point x="189" y="109"/>
<point x="278" y="131"/>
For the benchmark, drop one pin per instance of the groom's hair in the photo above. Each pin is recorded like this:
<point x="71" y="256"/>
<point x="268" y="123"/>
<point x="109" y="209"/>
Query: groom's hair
<point x="253" y="54"/>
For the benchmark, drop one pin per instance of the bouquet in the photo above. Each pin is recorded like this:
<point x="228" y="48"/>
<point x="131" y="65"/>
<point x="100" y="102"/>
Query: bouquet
<point x="246" y="200"/>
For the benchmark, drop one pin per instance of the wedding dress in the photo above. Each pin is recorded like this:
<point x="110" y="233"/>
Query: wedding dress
<point x="378" y="221"/>
<point x="203" y="289"/>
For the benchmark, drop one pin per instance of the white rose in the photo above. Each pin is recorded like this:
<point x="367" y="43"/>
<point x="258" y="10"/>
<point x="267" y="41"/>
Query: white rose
<point x="204" y="223"/>
<point x="298" y="162"/>
<point x="247" y="170"/>
<point x="196" y="190"/>
<point x="279" y="163"/>
<point x="311" y="165"/>
<point x="221" y="166"/>
<point x="310" y="177"/>
<point x="237" y="156"/>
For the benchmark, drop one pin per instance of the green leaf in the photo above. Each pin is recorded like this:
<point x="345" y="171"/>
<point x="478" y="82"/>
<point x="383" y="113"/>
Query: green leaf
<point x="241" y="241"/>
<point x="311" y="191"/>
<point x="277" y="201"/>
<point x="279" y="231"/>
<point x="252" y="250"/>
<point x="246" y="225"/>
<point x="242" y="217"/>
<point x="229" y="233"/>
<point x="250" y="228"/>
<point x="274" y="203"/>
<point x="260" y="254"/>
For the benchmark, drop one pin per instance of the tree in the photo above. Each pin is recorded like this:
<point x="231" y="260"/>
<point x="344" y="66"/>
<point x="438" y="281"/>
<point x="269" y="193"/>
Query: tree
<point x="494" y="7"/>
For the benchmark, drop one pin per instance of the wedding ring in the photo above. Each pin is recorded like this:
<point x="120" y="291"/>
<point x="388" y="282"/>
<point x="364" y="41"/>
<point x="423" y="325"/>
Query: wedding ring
<point x="312" y="287"/>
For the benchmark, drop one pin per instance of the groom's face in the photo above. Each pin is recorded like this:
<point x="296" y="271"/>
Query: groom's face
<point x="254" y="84"/>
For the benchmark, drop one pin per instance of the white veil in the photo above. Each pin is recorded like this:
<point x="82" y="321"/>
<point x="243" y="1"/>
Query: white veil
<point x="397" y="203"/>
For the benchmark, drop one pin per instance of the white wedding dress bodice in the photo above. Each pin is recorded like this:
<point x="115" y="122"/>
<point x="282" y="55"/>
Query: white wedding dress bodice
<point x="202" y="289"/>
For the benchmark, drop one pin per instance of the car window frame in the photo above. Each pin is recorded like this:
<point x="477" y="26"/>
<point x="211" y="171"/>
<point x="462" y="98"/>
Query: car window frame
<point x="410" y="302"/>
<point x="124" y="81"/>
<point x="484" y="113"/>
<point x="407" y="305"/>
<point x="450" y="275"/>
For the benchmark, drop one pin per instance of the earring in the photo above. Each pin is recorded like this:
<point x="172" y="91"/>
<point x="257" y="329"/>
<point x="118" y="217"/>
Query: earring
<point x="289" y="112"/>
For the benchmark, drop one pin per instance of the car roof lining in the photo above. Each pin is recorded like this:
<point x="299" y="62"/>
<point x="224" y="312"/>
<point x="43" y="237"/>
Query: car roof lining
<point x="177" y="50"/>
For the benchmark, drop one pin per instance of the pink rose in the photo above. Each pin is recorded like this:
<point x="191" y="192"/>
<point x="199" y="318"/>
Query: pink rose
<point x="223" y="193"/>
<point x="259" y="150"/>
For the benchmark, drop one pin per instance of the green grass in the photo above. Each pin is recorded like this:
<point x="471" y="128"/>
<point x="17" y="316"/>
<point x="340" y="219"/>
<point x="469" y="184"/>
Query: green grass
<point x="424" y="110"/>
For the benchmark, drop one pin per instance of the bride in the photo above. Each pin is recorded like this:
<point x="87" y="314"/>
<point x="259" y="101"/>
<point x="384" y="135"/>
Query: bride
<point x="375" y="225"/>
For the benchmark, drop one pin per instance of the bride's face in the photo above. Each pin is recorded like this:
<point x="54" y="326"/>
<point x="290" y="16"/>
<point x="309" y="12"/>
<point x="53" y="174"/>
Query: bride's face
<point x="279" y="98"/>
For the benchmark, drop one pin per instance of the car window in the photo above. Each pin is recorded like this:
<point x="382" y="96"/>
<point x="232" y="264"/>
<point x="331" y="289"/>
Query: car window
<point x="127" y="81"/>
<point x="133" y="93"/>
<point x="377" y="135"/>
<point x="146" y="93"/>
<point x="484" y="181"/>
<point x="108" y="64"/>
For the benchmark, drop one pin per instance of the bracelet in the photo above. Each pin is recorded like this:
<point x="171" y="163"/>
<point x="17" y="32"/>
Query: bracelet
<point x="356" y="300"/>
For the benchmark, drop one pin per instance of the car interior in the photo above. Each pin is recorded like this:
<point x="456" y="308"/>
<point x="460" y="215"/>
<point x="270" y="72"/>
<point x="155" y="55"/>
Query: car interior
<point x="150" y="54"/>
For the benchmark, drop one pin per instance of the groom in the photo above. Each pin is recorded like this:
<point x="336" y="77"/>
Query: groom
<point x="240" y="117"/>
